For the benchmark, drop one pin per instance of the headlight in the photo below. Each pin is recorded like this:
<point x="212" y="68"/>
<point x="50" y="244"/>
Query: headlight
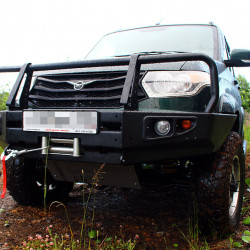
<point x="174" y="83"/>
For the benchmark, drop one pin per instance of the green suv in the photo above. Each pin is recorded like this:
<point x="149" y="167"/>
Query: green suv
<point x="148" y="105"/>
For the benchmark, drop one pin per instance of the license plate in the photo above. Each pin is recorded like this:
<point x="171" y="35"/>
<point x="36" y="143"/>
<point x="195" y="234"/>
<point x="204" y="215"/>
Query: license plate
<point x="60" y="121"/>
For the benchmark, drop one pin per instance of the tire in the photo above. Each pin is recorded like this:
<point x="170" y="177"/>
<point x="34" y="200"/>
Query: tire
<point x="219" y="187"/>
<point x="25" y="182"/>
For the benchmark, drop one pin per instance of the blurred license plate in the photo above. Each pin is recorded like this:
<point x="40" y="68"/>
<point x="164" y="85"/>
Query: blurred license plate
<point x="60" y="121"/>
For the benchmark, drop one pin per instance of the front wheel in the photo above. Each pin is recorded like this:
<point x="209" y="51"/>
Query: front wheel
<point x="219" y="186"/>
<point x="26" y="182"/>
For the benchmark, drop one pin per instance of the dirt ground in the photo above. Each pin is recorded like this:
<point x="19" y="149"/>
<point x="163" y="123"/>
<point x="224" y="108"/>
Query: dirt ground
<point x="156" y="219"/>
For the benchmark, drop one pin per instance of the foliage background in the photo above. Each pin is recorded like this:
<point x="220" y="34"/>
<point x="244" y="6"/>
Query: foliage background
<point x="3" y="98"/>
<point x="244" y="92"/>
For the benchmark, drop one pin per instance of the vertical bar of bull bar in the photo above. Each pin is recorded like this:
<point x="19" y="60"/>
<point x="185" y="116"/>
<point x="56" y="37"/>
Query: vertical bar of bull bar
<point x="76" y="147"/>
<point x="44" y="145"/>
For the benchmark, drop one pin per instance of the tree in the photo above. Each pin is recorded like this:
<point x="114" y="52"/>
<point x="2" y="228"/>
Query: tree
<point x="244" y="92"/>
<point x="3" y="98"/>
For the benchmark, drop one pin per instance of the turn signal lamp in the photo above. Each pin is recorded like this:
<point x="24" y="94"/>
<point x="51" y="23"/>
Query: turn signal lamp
<point x="186" y="124"/>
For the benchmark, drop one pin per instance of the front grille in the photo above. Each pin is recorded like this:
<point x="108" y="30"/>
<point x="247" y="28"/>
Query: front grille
<point x="100" y="90"/>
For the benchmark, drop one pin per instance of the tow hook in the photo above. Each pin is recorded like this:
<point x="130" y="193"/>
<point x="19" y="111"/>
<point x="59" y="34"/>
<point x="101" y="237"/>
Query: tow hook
<point x="12" y="154"/>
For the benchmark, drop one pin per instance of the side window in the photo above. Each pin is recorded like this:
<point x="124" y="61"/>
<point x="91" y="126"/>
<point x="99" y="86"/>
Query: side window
<point x="227" y="53"/>
<point x="226" y="50"/>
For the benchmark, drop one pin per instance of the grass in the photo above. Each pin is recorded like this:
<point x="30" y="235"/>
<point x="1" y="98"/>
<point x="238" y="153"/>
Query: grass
<point x="50" y="240"/>
<point x="89" y="237"/>
<point x="64" y="242"/>
<point x="247" y="136"/>
<point x="2" y="146"/>
<point x="194" y="236"/>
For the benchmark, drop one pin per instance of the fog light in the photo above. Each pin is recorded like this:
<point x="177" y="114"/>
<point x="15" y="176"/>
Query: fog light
<point x="162" y="127"/>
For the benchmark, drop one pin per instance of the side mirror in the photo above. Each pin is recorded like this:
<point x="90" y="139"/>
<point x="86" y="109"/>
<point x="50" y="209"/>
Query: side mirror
<point x="240" y="54"/>
<point x="239" y="58"/>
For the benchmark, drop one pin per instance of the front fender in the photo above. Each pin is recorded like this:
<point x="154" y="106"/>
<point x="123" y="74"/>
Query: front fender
<point x="227" y="104"/>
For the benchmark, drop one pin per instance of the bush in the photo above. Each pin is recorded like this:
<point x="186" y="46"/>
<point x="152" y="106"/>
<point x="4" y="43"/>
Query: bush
<point x="3" y="98"/>
<point x="244" y="92"/>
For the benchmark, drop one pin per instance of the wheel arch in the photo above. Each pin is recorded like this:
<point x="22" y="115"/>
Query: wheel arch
<point x="238" y="125"/>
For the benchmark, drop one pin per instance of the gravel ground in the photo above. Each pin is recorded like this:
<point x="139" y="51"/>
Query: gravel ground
<point x="155" y="218"/>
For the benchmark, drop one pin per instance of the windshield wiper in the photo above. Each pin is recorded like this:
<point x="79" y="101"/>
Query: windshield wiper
<point x="159" y="52"/>
<point x="153" y="53"/>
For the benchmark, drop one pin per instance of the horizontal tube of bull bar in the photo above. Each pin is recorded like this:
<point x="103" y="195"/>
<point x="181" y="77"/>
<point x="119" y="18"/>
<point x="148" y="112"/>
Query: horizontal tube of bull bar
<point x="109" y="62"/>
<point x="62" y="141"/>
<point x="61" y="150"/>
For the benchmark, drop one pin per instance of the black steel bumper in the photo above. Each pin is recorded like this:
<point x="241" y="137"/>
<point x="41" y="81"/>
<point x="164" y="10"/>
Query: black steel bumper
<point x="128" y="137"/>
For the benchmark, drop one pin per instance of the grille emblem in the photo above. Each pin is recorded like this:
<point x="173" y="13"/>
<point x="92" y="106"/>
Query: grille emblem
<point x="80" y="85"/>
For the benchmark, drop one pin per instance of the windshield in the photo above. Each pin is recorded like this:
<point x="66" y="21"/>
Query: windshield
<point x="183" y="38"/>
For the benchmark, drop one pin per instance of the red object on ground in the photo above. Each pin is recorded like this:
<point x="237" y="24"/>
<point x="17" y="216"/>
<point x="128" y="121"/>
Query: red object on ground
<point x="4" y="177"/>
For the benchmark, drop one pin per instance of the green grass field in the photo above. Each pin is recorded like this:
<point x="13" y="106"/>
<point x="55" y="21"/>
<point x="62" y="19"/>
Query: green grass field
<point x="247" y="136"/>
<point x="247" y="130"/>
<point x="2" y="146"/>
